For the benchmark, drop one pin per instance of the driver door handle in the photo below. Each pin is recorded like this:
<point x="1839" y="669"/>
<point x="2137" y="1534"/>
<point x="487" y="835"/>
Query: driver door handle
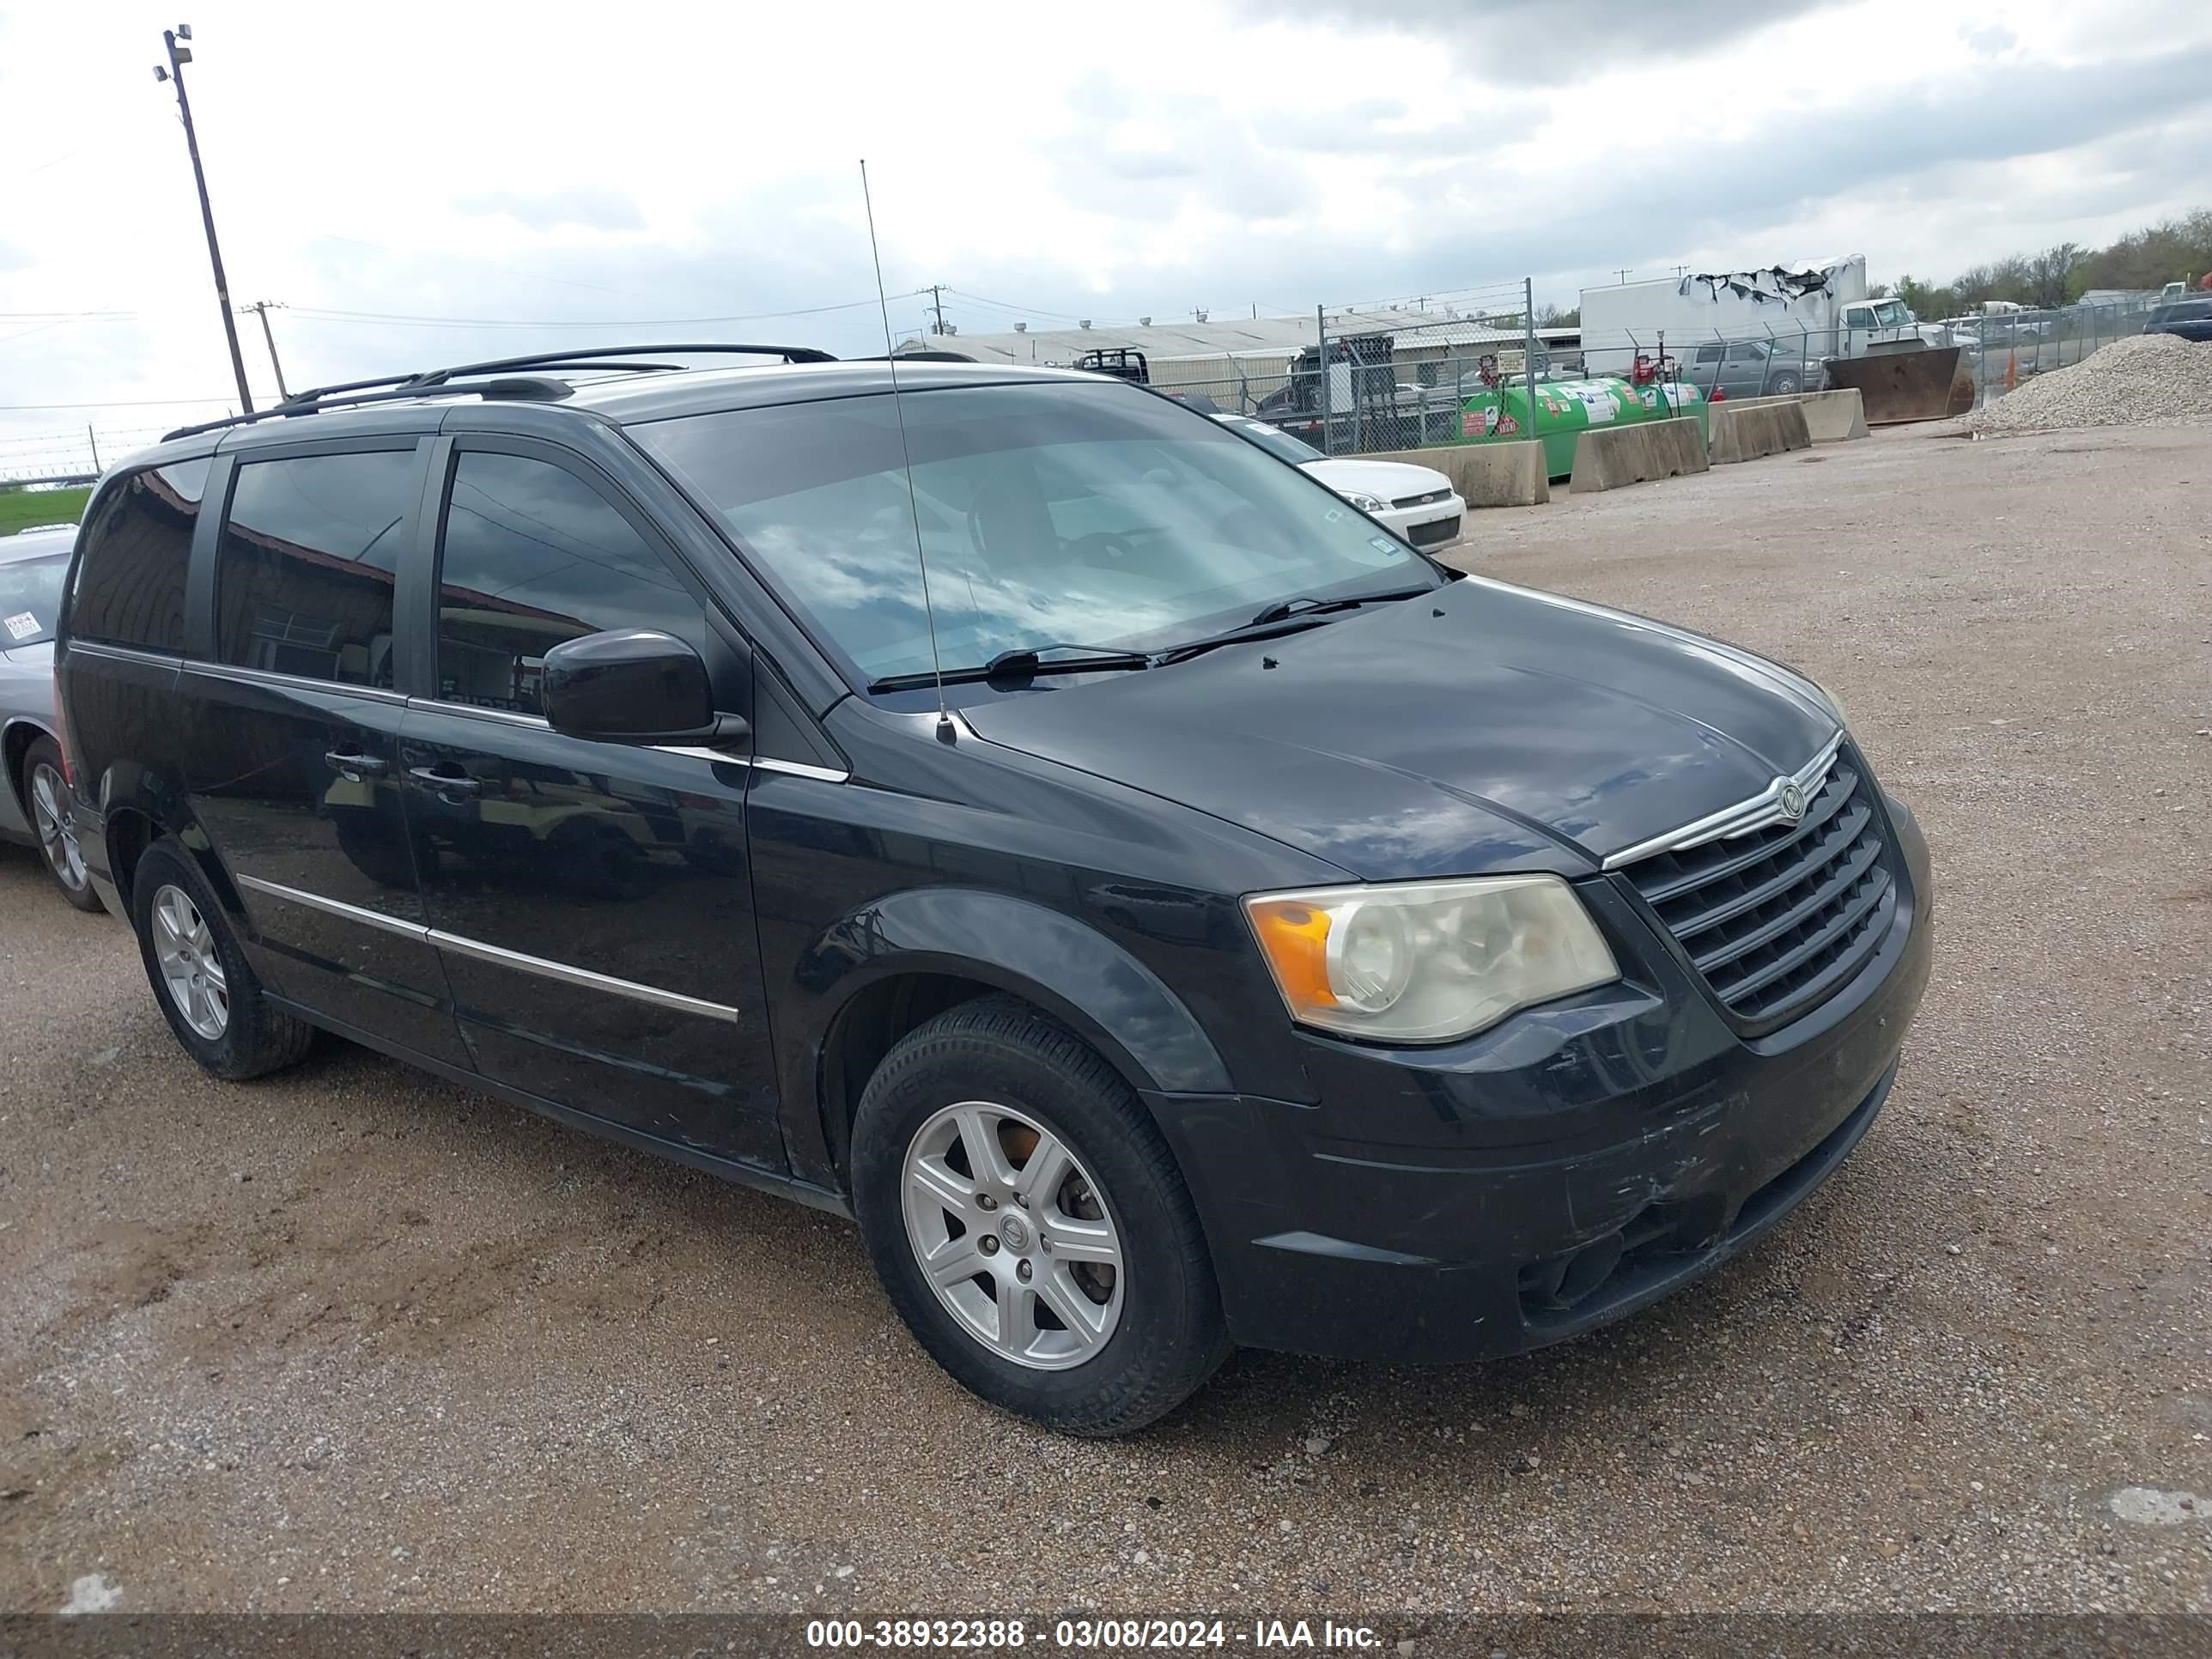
<point x="445" y="783"/>
<point x="357" y="767"/>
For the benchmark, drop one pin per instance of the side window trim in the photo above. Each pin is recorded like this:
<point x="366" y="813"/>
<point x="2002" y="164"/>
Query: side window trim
<point x="202" y="650"/>
<point x="107" y="502"/>
<point x="437" y="500"/>
<point x="820" y="757"/>
<point x="199" y="575"/>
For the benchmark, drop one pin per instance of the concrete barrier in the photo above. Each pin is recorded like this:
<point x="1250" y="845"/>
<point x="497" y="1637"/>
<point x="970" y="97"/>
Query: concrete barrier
<point x="1830" y="417"/>
<point x="1485" y="475"/>
<point x="1607" y="457"/>
<point x="1745" y="431"/>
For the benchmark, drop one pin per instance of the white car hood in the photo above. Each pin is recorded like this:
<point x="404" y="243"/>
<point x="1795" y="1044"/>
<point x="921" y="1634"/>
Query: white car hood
<point x="1388" y="481"/>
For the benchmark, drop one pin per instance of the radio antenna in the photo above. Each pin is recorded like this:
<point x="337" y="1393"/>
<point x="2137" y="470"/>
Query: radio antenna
<point x="946" y="731"/>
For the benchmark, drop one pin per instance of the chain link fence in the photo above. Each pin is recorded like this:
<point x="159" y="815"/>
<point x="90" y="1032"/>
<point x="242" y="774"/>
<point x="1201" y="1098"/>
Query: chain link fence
<point x="1378" y="380"/>
<point x="1373" y="378"/>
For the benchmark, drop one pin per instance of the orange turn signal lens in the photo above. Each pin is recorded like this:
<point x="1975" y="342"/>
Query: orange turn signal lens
<point x="1294" y="936"/>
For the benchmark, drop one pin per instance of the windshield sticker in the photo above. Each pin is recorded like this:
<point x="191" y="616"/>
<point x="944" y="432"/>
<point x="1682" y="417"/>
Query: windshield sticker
<point x="1383" y="544"/>
<point x="22" y="627"/>
<point x="1332" y="515"/>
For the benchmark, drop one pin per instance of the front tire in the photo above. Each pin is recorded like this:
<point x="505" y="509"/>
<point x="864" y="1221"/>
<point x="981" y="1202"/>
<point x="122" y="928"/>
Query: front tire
<point x="211" y="998"/>
<point x="45" y="797"/>
<point x="1783" y="385"/>
<point x="1028" y="1222"/>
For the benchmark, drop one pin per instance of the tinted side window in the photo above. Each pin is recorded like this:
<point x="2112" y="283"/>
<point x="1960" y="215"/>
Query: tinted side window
<point x="303" y="584"/>
<point x="531" y="555"/>
<point x="130" y="582"/>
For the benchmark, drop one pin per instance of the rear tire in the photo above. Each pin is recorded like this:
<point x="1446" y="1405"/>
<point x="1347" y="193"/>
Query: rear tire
<point x="996" y="1076"/>
<point x="211" y="997"/>
<point x="44" y="793"/>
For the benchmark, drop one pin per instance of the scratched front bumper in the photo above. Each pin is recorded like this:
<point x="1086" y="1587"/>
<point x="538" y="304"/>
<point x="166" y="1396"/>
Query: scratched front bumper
<point x="1561" y="1169"/>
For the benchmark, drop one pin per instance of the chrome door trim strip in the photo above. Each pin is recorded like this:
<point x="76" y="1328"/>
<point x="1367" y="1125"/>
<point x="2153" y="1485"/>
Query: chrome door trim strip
<point x="500" y="956"/>
<point x="1761" y="809"/>
<point x="417" y="930"/>
<point x="496" y="954"/>
<point x="237" y="675"/>
<point x="759" y="763"/>
<point x="125" y="653"/>
<point x="475" y="711"/>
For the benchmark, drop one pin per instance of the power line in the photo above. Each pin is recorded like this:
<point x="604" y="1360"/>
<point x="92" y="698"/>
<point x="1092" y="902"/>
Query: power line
<point x="398" y="320"/>
<point x="119" y="402"/>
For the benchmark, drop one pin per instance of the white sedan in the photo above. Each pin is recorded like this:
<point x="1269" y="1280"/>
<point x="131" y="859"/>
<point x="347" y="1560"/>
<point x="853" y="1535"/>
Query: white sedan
<point x="1416" y="501"/>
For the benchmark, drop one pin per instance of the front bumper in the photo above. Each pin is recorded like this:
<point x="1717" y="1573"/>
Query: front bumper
<point x="1432" y="526"/>
<point x="1563" y="1168"/>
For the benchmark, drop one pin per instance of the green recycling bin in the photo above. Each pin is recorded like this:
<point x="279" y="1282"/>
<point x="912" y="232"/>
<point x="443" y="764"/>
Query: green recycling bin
<point x="1567" y="409"/>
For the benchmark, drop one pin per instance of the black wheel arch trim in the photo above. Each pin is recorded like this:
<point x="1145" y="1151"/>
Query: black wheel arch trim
<point x="1067" y="969"/>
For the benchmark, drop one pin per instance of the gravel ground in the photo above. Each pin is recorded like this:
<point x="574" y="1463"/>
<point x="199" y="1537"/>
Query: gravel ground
<point x="351" y="1340"/>
<point x="2145" y="380"/>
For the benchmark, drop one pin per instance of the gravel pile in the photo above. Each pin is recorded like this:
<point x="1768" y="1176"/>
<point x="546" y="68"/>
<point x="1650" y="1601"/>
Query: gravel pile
<point x="2145" y="380"/>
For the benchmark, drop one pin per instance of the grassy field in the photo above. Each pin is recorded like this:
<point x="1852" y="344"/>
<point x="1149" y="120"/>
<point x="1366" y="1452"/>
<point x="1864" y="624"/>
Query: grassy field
<point x="25" y="510"/>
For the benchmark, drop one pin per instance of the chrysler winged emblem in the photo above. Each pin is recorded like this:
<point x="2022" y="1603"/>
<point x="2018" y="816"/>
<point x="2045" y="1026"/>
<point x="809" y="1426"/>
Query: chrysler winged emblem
<point x="1791" y="799"/>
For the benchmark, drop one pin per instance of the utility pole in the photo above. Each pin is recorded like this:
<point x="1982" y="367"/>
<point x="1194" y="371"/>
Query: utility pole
<point x="937" y="304"/>
<point x="179" y="57"/>
<point x="261" y="307"/>
<point x="91" y="438"/>
<point x="1624" y="273"/>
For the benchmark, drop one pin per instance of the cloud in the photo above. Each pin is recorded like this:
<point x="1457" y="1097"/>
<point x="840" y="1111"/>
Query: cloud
<point x="579" y="206"/>
<point x="1551" y="41"/>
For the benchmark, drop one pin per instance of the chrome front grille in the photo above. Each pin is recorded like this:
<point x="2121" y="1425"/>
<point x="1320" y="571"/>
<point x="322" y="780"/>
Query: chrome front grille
<point x="1777" y="917"/>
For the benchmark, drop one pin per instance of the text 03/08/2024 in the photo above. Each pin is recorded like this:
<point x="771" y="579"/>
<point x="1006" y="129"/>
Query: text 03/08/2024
<point x="1090" y="1634"/>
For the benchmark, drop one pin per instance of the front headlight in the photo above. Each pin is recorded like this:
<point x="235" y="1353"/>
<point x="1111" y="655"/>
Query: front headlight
<point x="1422" y="962"/>
<point x="1367" y="503"/>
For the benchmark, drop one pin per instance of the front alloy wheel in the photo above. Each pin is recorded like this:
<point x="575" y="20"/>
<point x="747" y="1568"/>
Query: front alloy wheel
<point x="1013" y="1236"/>
<point x="1028" y="1223"/>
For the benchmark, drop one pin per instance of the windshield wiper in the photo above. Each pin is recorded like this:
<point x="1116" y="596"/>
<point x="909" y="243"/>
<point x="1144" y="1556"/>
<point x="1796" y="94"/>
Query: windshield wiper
<point x="1022" y="665"/>
<point x="1290" y="615"/>
<point x="1304" y="605"/>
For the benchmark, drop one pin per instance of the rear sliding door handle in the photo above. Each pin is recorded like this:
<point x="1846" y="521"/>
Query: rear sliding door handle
<point x="445" y="783"/>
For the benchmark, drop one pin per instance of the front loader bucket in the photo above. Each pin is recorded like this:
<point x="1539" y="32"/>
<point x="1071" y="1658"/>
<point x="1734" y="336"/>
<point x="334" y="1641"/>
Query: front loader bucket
<point x="1897" y="386"/>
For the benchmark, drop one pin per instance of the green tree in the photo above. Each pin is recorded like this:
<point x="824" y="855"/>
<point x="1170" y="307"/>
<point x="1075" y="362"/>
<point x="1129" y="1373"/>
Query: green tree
<point x="2048" y="273"/>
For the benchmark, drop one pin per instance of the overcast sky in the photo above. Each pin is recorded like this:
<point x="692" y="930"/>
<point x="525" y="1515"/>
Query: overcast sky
<point x="623" y="165"/>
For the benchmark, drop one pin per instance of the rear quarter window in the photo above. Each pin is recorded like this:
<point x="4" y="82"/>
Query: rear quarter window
<point x="131" y="580"/>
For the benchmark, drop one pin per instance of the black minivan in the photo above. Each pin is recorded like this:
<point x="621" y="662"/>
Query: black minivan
<point x="1002" y="806"/>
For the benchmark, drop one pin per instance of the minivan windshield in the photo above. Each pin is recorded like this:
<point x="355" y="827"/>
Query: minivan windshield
<point x="30" y="594"/>
<point x="1064" y="514"/>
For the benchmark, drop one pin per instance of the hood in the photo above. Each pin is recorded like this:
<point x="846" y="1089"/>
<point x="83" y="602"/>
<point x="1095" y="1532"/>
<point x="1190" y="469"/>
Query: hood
<point x="36" y="660"/>
<point x="1390" y="480"/>
<point x="1479" y="729"/>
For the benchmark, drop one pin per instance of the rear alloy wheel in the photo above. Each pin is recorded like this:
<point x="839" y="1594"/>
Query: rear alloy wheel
<point x="190" y="968"/>
<point x="46" y="793"/>
<point x="208" y="990"/>
<point x="1028" y="1223"/>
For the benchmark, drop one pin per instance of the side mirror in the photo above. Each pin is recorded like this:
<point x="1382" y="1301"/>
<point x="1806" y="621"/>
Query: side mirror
<point x="633" y="685"/>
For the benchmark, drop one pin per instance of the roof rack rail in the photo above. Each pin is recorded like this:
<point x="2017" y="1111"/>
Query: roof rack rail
<point x="392" y="388"/>
<point x="516" y="388"/>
